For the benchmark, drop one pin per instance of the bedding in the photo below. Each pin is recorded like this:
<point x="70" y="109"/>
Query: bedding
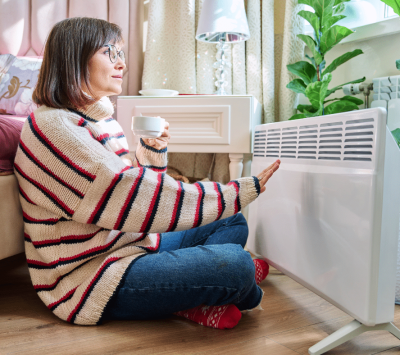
<point x="11" y="221"/>
<point x="10" y="131"/>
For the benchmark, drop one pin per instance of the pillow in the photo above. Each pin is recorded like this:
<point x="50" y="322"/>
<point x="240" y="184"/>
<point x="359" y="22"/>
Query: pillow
<point x="5" y="62"/>
<point x="10" y="131"/>
<point x="17" y="85"/>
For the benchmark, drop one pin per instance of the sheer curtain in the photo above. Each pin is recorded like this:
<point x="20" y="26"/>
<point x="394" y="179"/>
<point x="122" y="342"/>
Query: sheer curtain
<point x="175" y="60"/>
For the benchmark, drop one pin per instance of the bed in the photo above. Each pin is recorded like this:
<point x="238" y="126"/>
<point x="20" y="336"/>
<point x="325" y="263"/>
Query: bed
<point x="11" y="222"/>
<point x="31" y="21"/>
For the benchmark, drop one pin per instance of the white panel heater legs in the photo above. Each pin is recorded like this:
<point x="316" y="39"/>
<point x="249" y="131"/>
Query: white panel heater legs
<point x="348" y="332"/>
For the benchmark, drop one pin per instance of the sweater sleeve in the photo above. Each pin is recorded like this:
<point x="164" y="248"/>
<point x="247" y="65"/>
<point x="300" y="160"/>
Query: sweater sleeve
<point x="70" y="174"/>
<point x="150" y="158"/>
<point x="141" y="200"/>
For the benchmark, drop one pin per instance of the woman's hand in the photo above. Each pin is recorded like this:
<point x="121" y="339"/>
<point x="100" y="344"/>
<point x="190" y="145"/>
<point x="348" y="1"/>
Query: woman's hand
<point x="160" y="142"/>
<point x="264" y="176"/>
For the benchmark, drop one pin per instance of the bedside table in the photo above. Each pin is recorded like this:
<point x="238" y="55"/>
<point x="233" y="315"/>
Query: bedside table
<point x="200" y="124"/>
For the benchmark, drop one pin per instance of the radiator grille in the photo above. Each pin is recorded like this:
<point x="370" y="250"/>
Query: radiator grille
<point x="341" y="140"/>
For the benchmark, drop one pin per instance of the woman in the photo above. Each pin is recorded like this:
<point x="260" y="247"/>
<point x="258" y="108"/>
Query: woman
<point x="111" y="238"/>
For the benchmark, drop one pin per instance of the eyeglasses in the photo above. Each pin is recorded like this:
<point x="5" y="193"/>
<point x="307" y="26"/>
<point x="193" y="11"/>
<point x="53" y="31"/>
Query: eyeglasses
<point x="113" y="53"/>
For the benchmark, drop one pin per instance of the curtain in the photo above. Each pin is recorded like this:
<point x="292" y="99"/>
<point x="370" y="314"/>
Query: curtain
<point x="175" y="60"/>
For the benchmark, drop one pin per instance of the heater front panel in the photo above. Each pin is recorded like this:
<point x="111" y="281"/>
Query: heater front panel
<point x="323" y="242"/>
<point x="319" y="220"/>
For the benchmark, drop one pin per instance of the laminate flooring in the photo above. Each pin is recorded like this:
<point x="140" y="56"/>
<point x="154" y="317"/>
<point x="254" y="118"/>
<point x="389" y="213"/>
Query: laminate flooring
<point x="293" y="319"/>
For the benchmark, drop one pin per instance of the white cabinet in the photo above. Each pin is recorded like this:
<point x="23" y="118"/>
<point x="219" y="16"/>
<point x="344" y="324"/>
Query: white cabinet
<point x="200" y="124"/>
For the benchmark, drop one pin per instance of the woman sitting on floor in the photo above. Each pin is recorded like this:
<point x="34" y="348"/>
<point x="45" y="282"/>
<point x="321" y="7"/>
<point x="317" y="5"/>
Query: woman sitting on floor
<point x="111" y="238"/>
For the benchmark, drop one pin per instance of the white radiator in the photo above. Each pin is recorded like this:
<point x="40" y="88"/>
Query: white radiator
<point x="329" y="218"/>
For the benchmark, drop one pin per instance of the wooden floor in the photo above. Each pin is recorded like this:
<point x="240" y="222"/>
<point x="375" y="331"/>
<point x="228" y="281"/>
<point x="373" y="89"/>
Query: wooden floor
<point x="293" y="319"/>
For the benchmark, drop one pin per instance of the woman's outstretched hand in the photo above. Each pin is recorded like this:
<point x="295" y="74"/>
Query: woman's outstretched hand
<point x="264" y="176"/>
<point x="160" y="142"/>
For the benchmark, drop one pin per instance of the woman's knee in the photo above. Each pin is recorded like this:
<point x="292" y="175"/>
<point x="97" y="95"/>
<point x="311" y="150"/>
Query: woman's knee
<point x="238" y="262"/>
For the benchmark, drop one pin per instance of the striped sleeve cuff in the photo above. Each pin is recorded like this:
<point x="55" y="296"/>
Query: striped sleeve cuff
<point x="249" y="190"/>
<point x="151" y="158"/>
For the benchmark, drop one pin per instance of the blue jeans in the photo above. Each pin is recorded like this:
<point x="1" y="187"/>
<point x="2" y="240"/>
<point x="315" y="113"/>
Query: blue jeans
<point x="205" y="265"/>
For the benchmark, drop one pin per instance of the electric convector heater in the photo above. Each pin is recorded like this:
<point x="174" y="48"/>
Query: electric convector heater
<point x="330" y="216"/>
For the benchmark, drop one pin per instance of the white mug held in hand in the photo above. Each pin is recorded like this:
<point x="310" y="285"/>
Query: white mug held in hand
<point x="147" y="127"/>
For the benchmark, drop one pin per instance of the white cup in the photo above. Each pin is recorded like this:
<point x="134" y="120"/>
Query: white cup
<point x="148" y="127"/>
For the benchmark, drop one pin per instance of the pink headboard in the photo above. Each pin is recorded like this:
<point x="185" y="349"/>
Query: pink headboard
<point x="25" y="24"/>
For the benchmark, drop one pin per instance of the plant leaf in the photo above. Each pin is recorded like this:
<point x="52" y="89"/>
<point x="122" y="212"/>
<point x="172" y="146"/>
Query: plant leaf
<point x="341" y="86"/>
<point x="331" y="21"/>
<point x="298" y="115"/>
<point x="312" y="45"/>
<point x="340" y="106"/>
<point x="337" y="2"/>
<point x="398" y="64"/>
<point x="332" y="37"/>
<point x="394" y="4"/>
<point x="396" y="135"/>
<point x="354" y="99"/>
<point x="342" y="59"/>
<point x="297" y="85"/>
<point x="307" y="108"/>
<point x="339" y="9"/>
<point x="312" y="60"/>
<point x="321" y="7"/>
<point x="307" y="2"/>
<point x="316" y="92"/>
<point x="312" y="18"/>
<point x="304" y="70"/>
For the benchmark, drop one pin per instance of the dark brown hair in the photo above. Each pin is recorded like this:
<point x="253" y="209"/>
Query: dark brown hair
<point x="69" y="47"/>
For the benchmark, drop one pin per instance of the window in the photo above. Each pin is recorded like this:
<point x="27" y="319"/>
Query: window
<point x="360" y="13"/>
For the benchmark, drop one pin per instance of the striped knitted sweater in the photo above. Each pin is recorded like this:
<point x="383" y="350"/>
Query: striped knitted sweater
<point x="90" y="212"/>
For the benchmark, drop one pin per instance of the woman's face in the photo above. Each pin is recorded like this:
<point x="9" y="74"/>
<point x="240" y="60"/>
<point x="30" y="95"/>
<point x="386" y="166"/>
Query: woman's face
<point x="105" y="77"/>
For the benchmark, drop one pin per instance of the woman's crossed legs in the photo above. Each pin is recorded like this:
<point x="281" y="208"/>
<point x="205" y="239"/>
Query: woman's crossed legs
<point x="201" y="266"/>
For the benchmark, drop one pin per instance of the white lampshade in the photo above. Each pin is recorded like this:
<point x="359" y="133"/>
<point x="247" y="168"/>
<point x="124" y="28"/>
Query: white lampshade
<point x="223" y="20"/>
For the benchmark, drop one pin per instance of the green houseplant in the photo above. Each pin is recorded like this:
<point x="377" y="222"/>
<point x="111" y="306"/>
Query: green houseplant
<point x="395" y="5"/>
<point x="315" y="75"/>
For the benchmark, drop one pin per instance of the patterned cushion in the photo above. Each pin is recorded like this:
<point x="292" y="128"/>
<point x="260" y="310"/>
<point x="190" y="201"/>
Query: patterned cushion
<point x="17" y="84"/>
<point x="10" y="131"/>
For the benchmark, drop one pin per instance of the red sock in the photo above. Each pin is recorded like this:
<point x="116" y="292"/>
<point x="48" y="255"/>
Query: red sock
<point x="262" y="270"/>
<point x="219" y="317"/>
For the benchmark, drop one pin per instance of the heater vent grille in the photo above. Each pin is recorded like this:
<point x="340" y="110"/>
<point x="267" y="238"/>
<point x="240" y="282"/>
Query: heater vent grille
<point x="341" y="140"/>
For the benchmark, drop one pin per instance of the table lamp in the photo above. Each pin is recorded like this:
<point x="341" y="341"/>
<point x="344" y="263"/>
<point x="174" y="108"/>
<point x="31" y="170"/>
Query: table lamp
<point x="222" y="22"/>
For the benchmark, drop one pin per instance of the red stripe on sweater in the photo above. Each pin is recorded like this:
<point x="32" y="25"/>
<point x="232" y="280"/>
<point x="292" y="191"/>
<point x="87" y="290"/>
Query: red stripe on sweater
<point x="237" y="194"/>
<point x="196" y="217"/>
<point x="174" y="211"/>
<point x="105" y="194"/>
<point x="152" y="203"/>
<point x="51" y="305"/>
<point x="123" y="150"/>
<point x="50" y="172"/>
<point x="86" y="252"/>
<point x="219" y="200"/>
<point x="35" y="183"/>
<point x="39" y="220"/>
<point x="23" y="193"/>
<point x="59" y="152"/>
<point x="157" y="244"/>
<point x="81" y="121"/>
<point x="30" y="218"/>
<point x="90" y="285"/>
<point x="36" y="287"/>
<point x="67" y="237"/>
<point x="128" y="198"/>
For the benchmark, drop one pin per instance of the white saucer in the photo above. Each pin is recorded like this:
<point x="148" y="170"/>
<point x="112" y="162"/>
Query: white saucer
<point x="158" y="92"/>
